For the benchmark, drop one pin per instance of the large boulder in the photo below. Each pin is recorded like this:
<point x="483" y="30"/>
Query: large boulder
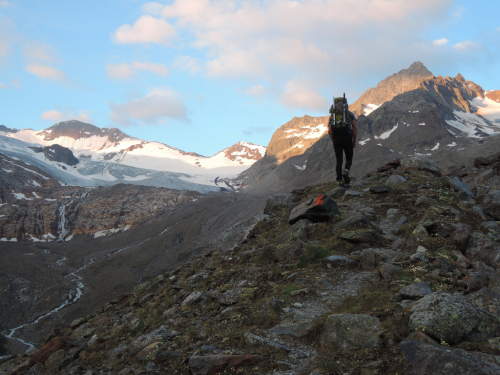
<point x="423" y="164"/>
<point x="491" y="204"/>
<point x="482" y="248"/>
<point x="487" y="299"/>
<point x="446" y="317"/>
<point x="415" y="291"/>
<point x="319" y="209"/>
<point x="351" y="331"/>
<point x="459" y="186"/>
<point x="420" y="358"/>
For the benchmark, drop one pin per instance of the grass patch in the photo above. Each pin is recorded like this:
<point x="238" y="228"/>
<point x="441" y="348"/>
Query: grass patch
<point x="286" y="290"/>
<point x="367" y="301"/>
<point x="447" y="253"/>
<point x="313" y="254"/>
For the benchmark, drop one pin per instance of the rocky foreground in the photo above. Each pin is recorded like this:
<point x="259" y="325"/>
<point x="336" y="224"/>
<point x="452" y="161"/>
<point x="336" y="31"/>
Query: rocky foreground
<point x="399" y="274"/>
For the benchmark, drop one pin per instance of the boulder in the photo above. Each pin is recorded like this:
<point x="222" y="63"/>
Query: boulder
<point x="415" y="291"/>
<point x="476" y="281"/>
<point x="482" y="248"/>
<point x="252" y="339"/>
<point x="419" y="233"/>
<point x="54" y="345"/>
<point x="424" y="201"/>
<point x="391" y="165"/>
<point x="462" y="235"/>
<point x="141" y="342"/>
<point x="194" y="298"/>
<point x="386" y="270"/>
<point x="297" y="326"/>
<point x="339" y="260"/>
<point x="395" y="180"/>
<point x="277" y="202"/>
<point x="446" y="317"/>
<point x="355" y="220"/>
<point x="320" y="209"/>
<point x="368" y="259"/>
<point x="420" y="358"/>
<point x="229" y="297"/>
<point x="491" y="204"/>
<point x="421" y="337"/>
<point x="351" y="331"/>
<point x="380" y="189"/>
<point x="360" y="236"/>
<point x="459" y="186"/>
<point x="215" y="364"/>
<point x="423" y="164"/>
<point x="487" y="299"/>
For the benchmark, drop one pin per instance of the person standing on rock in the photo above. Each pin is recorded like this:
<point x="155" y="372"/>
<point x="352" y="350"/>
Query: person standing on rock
<point x="343" y="132"/>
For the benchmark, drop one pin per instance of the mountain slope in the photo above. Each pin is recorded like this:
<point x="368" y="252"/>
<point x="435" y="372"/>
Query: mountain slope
<point x="109" y="156"/>
<point x="442" y="113"/>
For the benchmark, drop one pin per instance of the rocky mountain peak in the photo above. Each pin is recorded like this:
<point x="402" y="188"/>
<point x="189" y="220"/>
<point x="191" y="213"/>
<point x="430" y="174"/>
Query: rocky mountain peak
<point x="5" y="129"/>
<point x="244" y="150"/>
<point x="77" y="129"/>
<point x="398" y="83"/>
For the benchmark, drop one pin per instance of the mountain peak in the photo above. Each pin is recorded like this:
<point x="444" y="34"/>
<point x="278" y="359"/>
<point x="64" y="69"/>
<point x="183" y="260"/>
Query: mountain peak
<point x="77" y="129"/>
<point x="398" y="83"/>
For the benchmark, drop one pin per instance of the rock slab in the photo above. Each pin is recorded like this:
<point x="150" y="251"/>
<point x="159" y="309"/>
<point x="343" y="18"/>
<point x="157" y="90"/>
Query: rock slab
<point x="319" y="209"/>
<point x="351" y="331"/>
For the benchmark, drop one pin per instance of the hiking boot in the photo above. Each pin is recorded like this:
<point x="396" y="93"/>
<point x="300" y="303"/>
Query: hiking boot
<point x="341" y="184"/>
<point x="345" y="176"/>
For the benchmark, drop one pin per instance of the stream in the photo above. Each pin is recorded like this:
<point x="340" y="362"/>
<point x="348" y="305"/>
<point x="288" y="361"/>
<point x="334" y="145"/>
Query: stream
<point x="73" y="295"/>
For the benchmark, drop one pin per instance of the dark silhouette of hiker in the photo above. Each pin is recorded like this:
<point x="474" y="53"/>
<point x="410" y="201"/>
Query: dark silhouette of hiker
<point x="343" y="132"/>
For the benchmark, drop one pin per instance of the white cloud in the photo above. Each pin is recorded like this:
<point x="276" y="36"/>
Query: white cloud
<point x="256" y="91"/>
<point x="155" y="108"/>
<point x="5" y="4"/>
<point x="298" y="95"/>
<point x="146" y="29"/>
<point x="466" y="46"/>
<point x="187" y="64"/>
<point x="38" y="51"/>
<point x="274" y="41"/>
<point x="126" y="71"/>
<point x="69" y="113"/>
<point x="3" y="85"/>
<point x="257" y="129"/>
<point x="46" y="72"/>
<point x="440" y="42"/>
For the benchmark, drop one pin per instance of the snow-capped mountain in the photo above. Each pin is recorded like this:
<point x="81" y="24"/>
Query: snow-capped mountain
<point x="441" y="117"/>
<point x="108" y="156"/>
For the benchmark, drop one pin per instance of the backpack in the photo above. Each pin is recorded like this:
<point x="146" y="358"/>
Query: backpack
<point x="340" y="121"/>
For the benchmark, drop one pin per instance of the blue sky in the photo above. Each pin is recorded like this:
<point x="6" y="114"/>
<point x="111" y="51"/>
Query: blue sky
<point x="202" y="75"/>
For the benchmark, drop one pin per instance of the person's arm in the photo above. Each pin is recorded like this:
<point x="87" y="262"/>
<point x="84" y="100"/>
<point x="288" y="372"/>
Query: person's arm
<point x="330" y="128"/>
<point x="354" y="133"/>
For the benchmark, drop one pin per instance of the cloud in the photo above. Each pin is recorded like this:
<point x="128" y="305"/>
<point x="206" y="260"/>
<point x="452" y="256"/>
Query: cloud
<point x="256" y="91"/>
<point x="46" y="72"/>
<point x="187" y="64"/>
<point x="4" y="86"/>
<point x="126" y="71"/>
<point x="146" y="29"/>
<point x="38" y="51"/>
<point x="296" y="94"/>
<point x="257" y="129"/>
<point x="155" y="108"/>
<point x="16" y="84"/>
<point x="69" y="113"/>
<point x="466" y="46"/>
<point x="440" y="42"/>
<point x="4" y="4"/>
<point x="271" y="42"/>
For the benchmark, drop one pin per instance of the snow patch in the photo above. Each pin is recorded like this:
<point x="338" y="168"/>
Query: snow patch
<point x="435" y="147"/>
<point x="369" y="108"/>
<point x="452" y="144"/>
<point x="386" y="134"/>
<point x="470" y="123"/>
<point x="362" y="143"/>
<point x="487" y="108"/>
<point x="422" y="124"/>
<point x="7" y="170"/>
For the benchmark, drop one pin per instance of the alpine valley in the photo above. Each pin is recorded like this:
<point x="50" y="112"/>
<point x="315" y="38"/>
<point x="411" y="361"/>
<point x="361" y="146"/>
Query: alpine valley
<point x="124" y="256"/>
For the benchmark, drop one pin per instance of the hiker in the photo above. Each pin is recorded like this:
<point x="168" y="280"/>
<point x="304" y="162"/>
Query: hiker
<point x="343" y="132"/>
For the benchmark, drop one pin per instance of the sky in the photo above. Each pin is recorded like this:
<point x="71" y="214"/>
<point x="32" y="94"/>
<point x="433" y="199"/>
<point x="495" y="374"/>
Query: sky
<point x="201" y="75"/>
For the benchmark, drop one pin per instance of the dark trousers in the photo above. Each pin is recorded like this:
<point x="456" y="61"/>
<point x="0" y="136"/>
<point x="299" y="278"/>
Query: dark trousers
<point x="340" y="145"/>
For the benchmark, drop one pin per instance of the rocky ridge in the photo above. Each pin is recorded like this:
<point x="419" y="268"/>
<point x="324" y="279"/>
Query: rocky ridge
<point x="398" y="83"/>
<point x="35" y="206"/>
<point x="405" y="280"/>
